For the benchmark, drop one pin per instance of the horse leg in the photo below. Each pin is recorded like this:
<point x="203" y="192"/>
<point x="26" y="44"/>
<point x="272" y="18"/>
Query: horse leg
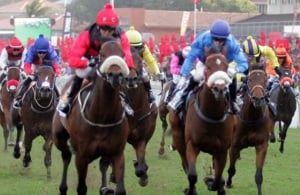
<point x="272" y="137"/>
<point x="140" y="164"/>
<point x="47" y="160"/>
<point x="261" y="152"/>
<point x="164" y="125"/>
<point x="103" y="165"/>
<point x="5" y="135"/>
<point x="17" y="151"/>
<point x="82" y="167"/>
<point x="60" y="138"/>
<point x="234" y="153"/>
<point x="191" y="155"/>
<point x="118" y="167"/>
<point x="283" y="135"/>
<point x="217" y="184"/>
<point x="28" y="145"/>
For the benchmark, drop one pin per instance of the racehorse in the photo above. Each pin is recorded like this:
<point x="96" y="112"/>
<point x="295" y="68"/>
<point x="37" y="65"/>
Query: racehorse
<point x="96" y="126"/>
<point x="8" y="90"/>
<point x="163" y="112"/>
<point x="35" y="114"/>
<point x="142" y="124"/>
<point x="208" y="125"/>
<point x="285" y="102"/>
<point x="254" y="123"/>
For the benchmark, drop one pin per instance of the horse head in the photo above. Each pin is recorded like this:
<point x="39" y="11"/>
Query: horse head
<point x="216" y="74"/>
<point x="256" y="85"/>
<point x="136" y="73"/>
<point x="13" y="71"/>
<point x="45" y="82"/>
<point x="286" y="81"/>
<point x="112" y="66"/>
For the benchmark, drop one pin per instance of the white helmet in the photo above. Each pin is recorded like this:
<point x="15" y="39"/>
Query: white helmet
<point x="186" y="50"/>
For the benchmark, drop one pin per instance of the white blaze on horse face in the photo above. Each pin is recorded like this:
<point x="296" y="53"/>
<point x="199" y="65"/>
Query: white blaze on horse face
<point x="218" y="61"/>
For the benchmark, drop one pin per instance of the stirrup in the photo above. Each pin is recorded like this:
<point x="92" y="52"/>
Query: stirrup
<point x="17" y="104"/>
<point x="128" y="110"/>
<point x="64" y="109"/>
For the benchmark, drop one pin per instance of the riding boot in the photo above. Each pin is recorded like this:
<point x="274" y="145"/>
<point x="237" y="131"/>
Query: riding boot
<point x="232" y="97"/>
<point x="65" y="106"/>
<point x="170" y="94"/>
<point x="18" y="101"/>
<point x="180" y="96"/>
<point x="151" y="97"/>
<point x="124" y="100"/>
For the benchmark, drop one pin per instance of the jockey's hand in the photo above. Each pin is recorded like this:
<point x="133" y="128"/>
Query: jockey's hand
<point x="181" y="83"/>
<point x="27" y="69"/>
<point x="231" y="71"/>
<point x="160" y="76"/>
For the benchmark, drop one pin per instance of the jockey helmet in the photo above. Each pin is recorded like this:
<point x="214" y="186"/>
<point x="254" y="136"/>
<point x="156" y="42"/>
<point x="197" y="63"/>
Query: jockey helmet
<point x="41" y="44"/>
<point x="15" y="43"/>
<point x="186" y="50"/>
<point x="280" y="51"/>
<point x="107" y="16"/>
<point x="250" y="47"/>
<point x="134" y="37"/>
<point x="220" y="29"/>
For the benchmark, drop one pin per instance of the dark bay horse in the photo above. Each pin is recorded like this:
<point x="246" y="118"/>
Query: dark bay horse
<point x="8" y="91"/>
<point x="285" y="101"/>
<point x="254" y="124"/>
<point x="96" y="126"/>
<point x="143" y="123"/>
<point x="35" y="114"/>
<point x="208" y="126"/>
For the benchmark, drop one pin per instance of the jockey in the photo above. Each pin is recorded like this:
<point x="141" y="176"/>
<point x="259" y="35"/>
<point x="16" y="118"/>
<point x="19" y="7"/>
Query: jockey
<point x="136" y="41"/>
<point x="177" y="60"/>
<point x="88" y="45"/>
<point x="38" y="53"/>
<point x="218" y="36"/>
<point x="256" y="54"/>
<point x="14" y="51"/>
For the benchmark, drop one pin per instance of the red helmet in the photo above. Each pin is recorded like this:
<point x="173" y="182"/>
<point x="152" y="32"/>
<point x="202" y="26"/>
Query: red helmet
<point x="15" y="43"/>
<point x="107" y="16"/>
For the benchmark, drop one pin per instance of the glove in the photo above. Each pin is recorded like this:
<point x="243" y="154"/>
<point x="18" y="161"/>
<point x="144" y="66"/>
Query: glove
<point x="278" y="71"/>
<point x="57" y="69"/>
<point x="181" y="83"/>
<point x="160" y="76"/>
<point x="27" y="69"/>
<point x="231" y="71"/>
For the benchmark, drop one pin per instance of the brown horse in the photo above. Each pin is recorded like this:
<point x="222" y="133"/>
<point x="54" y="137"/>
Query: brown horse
<point x="284" y="99"/>
<point x="96" y="126"/>
<point x="254" y="124"/>
<point x="8" y="91"/>
<point x="208" y="126"/>
<point x="35" y="114"/>
<point x="163" y="112"/>
<point x="142" y="124"/>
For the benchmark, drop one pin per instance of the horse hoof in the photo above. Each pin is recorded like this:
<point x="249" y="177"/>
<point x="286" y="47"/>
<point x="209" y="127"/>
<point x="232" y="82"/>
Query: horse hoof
<point x="210" y="183"/>
<point x="106" y="191"/>
<point x="161" y="151"/>
<point x="143" y="181"/>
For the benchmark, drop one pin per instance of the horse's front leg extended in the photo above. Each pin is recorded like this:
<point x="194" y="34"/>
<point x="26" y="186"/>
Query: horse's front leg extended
<point x="118" y="167"/>
<point x="140" y="164"/>
<point x="47" y="160"/>
<point x="103" y="165"/>
<point x="17" y="151"/>
<point x="234" y="154"/>
<point x="81" y="166"/>
<point x="164" y="125"/>
<point x="261" y="152"/>
<point x="28" y="146"/>
<point x="191" y="155"/>
<point x="283" y="135"/>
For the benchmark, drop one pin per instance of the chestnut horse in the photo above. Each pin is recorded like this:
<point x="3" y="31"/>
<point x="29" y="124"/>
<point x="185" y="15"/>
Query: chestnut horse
<point x="8" y="91"/>
<point x="35" y="114"/>
<point x="254" y="124"/>
<point x="96" y="126"/>
<point x="208" y="125"/>
<point x="285" y="101"/>
<point x="143" y="123"/>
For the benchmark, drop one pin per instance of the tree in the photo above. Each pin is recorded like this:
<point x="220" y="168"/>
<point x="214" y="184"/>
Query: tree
<point x="36" y="9"/>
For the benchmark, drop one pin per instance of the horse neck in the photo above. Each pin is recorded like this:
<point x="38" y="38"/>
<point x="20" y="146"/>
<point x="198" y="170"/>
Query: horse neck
<point x="137" y="96"/>
<point x="209" y="105"/>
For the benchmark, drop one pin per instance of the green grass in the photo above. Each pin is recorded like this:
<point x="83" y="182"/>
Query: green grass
<point x="281" y="171"/>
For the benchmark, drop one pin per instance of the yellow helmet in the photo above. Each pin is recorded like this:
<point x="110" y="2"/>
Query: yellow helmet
<point x="134" y="37"/>
<point x="250" y="47"/>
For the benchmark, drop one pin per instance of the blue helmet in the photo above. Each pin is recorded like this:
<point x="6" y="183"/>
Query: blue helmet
<point x="220" y="29"/>
<point x="41" y="44"/>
